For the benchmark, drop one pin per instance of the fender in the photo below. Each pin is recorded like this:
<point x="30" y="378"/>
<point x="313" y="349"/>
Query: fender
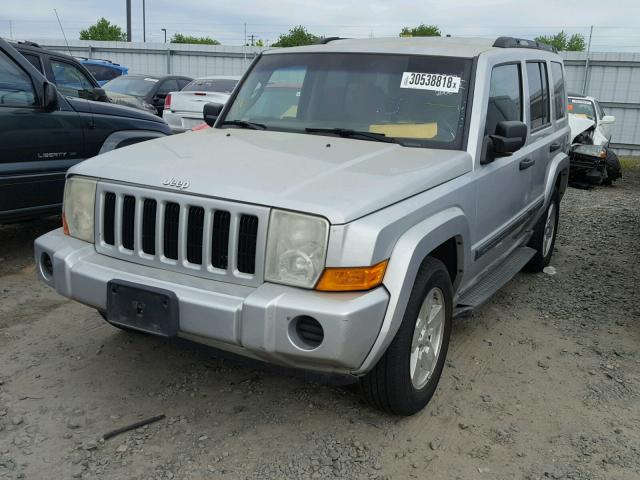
<point x="559" y="166"/>
<point x="116" y="138"/>
<point x="409" y="251"/>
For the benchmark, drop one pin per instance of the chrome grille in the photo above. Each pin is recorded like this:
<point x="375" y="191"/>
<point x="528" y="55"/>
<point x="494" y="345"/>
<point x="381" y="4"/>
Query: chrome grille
<point x="200" y="236"/>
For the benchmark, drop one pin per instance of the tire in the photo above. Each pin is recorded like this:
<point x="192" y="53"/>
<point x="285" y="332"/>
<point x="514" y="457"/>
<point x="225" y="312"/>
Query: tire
<point x="544" y="250"/>
<point x="614" y="171"/>
<point x="389" y="386"/>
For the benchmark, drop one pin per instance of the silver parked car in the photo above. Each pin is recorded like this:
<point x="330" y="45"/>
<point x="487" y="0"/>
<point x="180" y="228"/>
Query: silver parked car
<point x="183" y="109"/>
<point x="362" y="194"/>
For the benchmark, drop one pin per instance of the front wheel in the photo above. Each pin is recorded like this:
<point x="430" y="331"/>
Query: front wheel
<point x="406" y="377"/>
<point x="543" y="239"/>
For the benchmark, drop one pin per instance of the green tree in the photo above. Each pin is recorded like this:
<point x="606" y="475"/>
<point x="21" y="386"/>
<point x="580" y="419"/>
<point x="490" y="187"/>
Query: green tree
<point x="103" y="30"/>
<point x="180" y="38"/>
<point x="421" y="30"/>
<point x="259" y="43"/>
<point x="296" y="37"/>
<point x="562" y="42"/>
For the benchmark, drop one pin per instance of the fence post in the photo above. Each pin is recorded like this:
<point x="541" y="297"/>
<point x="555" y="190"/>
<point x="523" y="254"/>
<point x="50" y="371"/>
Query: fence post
<point x="90" y="51"/>
<point x="168" y="60"/>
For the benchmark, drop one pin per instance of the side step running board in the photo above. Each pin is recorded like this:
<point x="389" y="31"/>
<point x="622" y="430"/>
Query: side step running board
<point x="493" y="281"/>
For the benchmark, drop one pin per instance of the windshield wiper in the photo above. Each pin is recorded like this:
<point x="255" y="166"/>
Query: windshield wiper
<point x="245" y="124"/>
<point x="347" y="132"/>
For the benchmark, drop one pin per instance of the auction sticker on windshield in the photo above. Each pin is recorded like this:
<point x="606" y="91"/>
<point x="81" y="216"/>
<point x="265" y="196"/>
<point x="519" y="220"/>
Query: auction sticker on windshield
<point x="436" y="82"/>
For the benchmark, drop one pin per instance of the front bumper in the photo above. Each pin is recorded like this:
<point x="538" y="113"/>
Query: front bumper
<point x="254" y="322"/>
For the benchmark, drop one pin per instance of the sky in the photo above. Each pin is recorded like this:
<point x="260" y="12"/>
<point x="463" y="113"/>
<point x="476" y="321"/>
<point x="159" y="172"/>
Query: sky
<point x="616" y="26"/>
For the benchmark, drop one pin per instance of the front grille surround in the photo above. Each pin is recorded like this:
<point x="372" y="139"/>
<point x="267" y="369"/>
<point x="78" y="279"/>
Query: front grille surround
<point x="155" y="257"/>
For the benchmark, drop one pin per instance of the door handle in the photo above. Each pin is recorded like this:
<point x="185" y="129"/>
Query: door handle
<point x="555" y="146"/>
<point x="526" y="163"/>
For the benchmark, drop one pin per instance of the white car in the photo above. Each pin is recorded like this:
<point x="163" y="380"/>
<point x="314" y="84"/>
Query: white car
<point x="183" y="109"/>
<point x="592" y="161"/>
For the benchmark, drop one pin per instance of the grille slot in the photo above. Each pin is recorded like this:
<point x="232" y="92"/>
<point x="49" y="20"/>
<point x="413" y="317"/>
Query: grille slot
<point x="220" y="239"/>
<point x="310" y="331"/>
<point x="109" y="218"/>
<point x="171" y="228"/>
<point x="149" y="226"/>
<point x="247" y="237"/>
<point x="128" y="221"/>
<point x="194" y="235"/>
<point x="199" y="236"/>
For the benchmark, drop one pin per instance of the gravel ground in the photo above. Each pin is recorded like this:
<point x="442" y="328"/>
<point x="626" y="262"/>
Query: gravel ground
<point x="542" y="382"/>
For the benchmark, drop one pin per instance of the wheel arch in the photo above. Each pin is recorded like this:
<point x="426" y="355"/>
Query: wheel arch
<point x="445" y="236"/>
<point x="116" y="139"/>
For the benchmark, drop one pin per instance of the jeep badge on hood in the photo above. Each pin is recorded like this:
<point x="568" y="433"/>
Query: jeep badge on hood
<point x="174" y="182"/>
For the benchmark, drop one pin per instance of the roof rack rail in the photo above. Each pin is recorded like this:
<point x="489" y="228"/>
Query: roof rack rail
<point x="324" y="41"/>
<point x="29" y="43"/>
<point x="512" y="42"/>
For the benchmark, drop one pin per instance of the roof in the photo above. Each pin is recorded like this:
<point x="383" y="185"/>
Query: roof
<point x="219" y="77"/>
<point x="441" y="46"/>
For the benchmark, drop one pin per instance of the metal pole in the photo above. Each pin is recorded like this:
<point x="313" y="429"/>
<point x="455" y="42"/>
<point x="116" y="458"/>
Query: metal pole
<point x="10" y="29"/>
<point x="128" y="20"/>
<point x="244" y="47"/>
<point x="586" y="63"/>
<point x="165" y="34"/>
<point x="144" y="23"/>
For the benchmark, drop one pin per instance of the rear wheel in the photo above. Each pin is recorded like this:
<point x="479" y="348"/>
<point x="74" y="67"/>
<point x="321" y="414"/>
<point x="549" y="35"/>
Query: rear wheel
<point x="406" y="377"/>
<point x="544" y="235"/>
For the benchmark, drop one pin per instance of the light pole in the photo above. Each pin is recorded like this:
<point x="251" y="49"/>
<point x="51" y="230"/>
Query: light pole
<point x="165" y="34"/>
<point x="128" y="20"/>
<point x="144" y="23"/>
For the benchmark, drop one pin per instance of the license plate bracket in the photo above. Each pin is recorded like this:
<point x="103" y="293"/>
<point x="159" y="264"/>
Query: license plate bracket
<point x="147" y="309"/>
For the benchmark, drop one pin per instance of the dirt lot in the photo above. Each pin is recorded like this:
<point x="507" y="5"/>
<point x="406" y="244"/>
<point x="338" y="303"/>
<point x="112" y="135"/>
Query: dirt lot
<point x="543" y="382"/>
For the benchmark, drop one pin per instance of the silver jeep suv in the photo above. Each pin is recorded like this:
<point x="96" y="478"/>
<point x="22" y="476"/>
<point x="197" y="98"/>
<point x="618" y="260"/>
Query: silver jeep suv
<point x="351" y="198"/>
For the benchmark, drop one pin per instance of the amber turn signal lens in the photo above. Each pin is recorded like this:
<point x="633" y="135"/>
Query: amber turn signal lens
<point x="65" y="227"/>
<point x="352" y="279"/>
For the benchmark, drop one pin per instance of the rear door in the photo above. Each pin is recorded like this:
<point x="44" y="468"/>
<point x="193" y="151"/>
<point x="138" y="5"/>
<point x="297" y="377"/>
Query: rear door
<point x="546" y="90"/>
<point x="36" y="146"/>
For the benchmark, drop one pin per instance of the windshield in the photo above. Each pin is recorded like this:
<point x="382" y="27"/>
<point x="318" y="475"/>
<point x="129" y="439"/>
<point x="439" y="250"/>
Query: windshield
<point x="419" y="100"/>
<point x="136" y="86"/>
<point x="211" y="85"/>
<point x="583" y="108"/>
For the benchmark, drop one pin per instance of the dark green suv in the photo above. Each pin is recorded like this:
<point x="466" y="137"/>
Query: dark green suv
<point x="43" y="132"/>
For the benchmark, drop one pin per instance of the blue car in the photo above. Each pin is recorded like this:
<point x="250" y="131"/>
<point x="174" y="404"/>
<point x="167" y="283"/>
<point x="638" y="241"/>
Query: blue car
<point x="103" y="70"/>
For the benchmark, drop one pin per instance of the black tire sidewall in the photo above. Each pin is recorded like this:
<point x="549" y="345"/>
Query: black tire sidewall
<point x="539" y="260"/>
<point x="432" y="274"/>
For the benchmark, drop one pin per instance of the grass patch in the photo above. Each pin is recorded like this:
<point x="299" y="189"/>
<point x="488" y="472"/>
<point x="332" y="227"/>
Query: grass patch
<point x="630" y="163"/>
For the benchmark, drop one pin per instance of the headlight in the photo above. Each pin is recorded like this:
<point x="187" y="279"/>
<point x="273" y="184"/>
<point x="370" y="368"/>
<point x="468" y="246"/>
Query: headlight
<point x="296" y="248"/>
<point x="78" y="208"/>
<point x="590" y="150"/>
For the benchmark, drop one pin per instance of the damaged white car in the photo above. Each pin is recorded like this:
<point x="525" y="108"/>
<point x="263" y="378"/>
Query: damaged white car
<point x="592" y="161"/>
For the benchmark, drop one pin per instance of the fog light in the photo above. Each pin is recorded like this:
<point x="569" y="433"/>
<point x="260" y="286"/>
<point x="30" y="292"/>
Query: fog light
<point x="306" y="332"/>
<point x="47" y="264"/>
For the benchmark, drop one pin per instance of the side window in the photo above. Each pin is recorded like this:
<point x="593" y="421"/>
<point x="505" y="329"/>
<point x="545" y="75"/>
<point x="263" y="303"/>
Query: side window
<point x="170" y="85"/>
<point x="538" y="94"/>
<point x="33" y="60"/>
<point x="69" y="79"/>
<point x="505" y="96"/>
<point x="559" y="95"/>
<point x="183" y="83"/>
<point x="16" y="88"/>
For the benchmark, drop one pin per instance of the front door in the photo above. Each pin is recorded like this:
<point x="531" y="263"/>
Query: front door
<point x="36" y="146"/>
<point x="503" y="185"/>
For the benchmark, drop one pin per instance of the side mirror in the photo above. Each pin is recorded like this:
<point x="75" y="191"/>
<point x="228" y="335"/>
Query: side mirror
<point x="608" y="119"/>
<point x="510" y="136"/>
<point x="211" y="112"/>
<point x="50" y="97"/>
<point x="99" y="95"/>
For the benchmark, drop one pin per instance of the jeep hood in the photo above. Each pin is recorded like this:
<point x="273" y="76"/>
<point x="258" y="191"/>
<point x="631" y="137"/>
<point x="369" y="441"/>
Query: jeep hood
<point x="339" y="178"/>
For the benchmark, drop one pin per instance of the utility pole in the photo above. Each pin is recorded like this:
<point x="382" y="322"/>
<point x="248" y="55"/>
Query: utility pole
<point x="586" y="64"/>
<point x="10" y="29"/>
<point x="165" y="34"/>
<point x="144" y="23"/>
<point x="128" y="20"/>
<point x="252" y="37"/>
